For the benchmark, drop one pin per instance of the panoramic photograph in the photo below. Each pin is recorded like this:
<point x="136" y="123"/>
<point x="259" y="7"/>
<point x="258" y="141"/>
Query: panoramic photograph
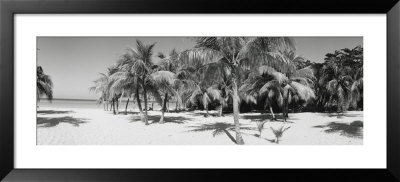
<point x="199" y="91"/>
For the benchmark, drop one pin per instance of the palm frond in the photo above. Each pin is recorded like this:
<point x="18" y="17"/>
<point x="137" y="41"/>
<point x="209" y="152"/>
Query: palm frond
<point x="164" y="77"/>
<point x="214" y="93"/>
<point x="304" y="92"/>
<point x="198" y="57"/>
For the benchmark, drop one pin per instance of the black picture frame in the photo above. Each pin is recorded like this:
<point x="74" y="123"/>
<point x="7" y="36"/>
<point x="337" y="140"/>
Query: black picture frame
<point x="9" y="8"/>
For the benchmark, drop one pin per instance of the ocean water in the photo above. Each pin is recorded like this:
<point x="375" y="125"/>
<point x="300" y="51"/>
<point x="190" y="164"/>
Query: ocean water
<point x="69" y="104"/>
<point x="56" y="103"/>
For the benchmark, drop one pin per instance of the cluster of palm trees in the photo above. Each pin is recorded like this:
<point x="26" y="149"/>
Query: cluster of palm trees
<point x="227" y="72"/>
<point x="340" y="81"/>
<point x="44" y="85"/>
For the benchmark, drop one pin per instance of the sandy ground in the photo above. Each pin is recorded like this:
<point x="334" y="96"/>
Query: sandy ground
<point x="72" y="126"/>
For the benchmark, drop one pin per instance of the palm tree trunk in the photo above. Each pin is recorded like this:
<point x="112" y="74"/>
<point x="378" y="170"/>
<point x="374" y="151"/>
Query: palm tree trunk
<point x="220" y="111"/>
<point x="113" y="104"/>
<point x="272" y="112"/>
<point x="179" y="105"/>
<point x="145" y="107"/>
<point x="239" y="139"/>
<point x="168" y="107"/>
<point x="286" y="106"/>
<point x="126" y="107"/>
<point x="145" y="103"/>
<point x="284" y="111"/>
<point x="142" y="117"/>
<point x="117" y="103"/>
<point x="163" y="109"/>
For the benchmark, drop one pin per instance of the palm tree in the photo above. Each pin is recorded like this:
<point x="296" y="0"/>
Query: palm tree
<point x="226" y="94"/>
<point x="199" y="84"/>
<point x="121" y="86"/>
<point x="101" y="86"/>
<point x="142" y="66"/>
<point x="237" y="53"/>
<point x="171" y="63"/>
<point x="357" y="89"/>
<point x="205" y="94"/>
<point x="218" y="76"/>
<point x="337" y="82"/>
<point x="44" y="85"/>
<point x="134" y="75"/>
<point x="126" y="79"/>
<point x="164" y="81"/>
<point x="113" y="94"/>
<point x="284" y="86"/>
<point x="299" y="87"/>
<point x="278" y="132"/>
<point x="299" y="81"/>
<point x="266" y="84"/>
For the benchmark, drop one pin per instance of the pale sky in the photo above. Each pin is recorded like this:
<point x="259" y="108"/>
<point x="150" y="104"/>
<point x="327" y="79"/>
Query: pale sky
<point x="74" y="62"/>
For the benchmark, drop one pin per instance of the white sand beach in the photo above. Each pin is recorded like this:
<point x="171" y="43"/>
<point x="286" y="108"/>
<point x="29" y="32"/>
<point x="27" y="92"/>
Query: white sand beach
<point x="93" y="126"/>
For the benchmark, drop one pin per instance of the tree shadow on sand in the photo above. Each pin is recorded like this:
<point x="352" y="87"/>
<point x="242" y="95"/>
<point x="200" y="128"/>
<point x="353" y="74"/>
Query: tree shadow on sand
<point x="258" y="136"/>
<point x="354" y="129"/>
<point x="53" y="112"/>
<point x="127" y="113"/>
<point x="167" y="119"/>
<point x="341" y="115"/>
<point x="264" y="117"/>
<point x="218" y="128"/>
<point x="210" y="114"/>
<point x="51" y="122"/>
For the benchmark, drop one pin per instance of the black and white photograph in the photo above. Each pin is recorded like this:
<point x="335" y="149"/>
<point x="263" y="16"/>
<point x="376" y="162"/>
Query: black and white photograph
<point x="199" y="90"/>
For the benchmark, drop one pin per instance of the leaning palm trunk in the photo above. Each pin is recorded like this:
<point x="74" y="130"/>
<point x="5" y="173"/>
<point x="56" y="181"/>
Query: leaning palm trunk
<point x="272" y="112"/>
<point x="163" y="109"/>
<point x="239" y="139"/>
<point x="126" y="107"/>
<point x="142" y="117"/>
